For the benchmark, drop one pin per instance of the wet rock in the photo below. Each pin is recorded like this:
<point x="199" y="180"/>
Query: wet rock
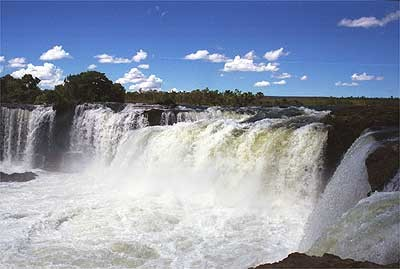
<point x="154" y="116"/>
<point x="301" y="260"/>
<point x="349" y="122"/>
<point x="20" y="106"/>
<point x="383" y="164"/>
<point x="17" y="177"/>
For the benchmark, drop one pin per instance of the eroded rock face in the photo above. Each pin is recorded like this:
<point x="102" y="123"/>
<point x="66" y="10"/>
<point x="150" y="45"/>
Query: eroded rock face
<point x="301" y="260"/>
<point x="383" y="164"/>
<point x="17" y="177"/>
<point x="349" y="122"/>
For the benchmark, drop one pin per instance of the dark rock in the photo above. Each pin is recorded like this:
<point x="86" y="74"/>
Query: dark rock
<point x="60" y="137"/>
<point x="20" y="106"/>
<point x="383" y="164"/>
<point x="116" y="107"/>
<point x="349" y="122"/>
<point x="17" y="177"/>
<point x="301" y="260"/>
<point x="154" y="116"/>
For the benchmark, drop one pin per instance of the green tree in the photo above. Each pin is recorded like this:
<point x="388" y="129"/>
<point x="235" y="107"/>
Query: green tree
<point x="90" y="87"/>
<point x="23" y="90"/>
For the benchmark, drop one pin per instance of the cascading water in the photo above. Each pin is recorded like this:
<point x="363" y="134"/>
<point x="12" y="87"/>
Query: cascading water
<point x="210" y="193"/>
<point x="208" y="114"/>
<point x="26" y="135"/>
<point x="368" y="231"/>
<point x="96" y="129"/>
<point x="347" y="223"/>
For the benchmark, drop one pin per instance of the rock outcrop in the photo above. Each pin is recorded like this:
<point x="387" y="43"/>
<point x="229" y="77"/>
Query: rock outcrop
<point x="383" y="164"/>
<point x="301" y="260"/>
<point x="349" y="122"/>
<point x="17" y="177"/>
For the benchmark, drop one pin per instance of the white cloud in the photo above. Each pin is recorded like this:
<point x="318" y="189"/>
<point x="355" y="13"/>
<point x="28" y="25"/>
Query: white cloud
<point x="140" y="55"/>
<point x="262" y="83"/>
<point x="281" y="76"/>
<point x="274" y="55"/>
<point x="248" y="65"/>
<point x="173" y="90"/>
<point x="139" y="81"/>
<point x="346" y="84"/>
<point x="48" y="73"/>
<point x="17" y="62"/>
<point x="367" y="22"/>
<point x="133" y="76"/>
<point x="304" y="77"/>
<point x="217" y="58"/>
<point x="110" y="59"/>
<point x="364" y="76"/>
<point x="2" y="59"/>
<point x="206" y="56"/>
<point x="152" y="83"/>
<point x="280" y="82"/>
<point x="143" y="66"/>
<point x="55" y="53"/>
<point x="198" y="55"/>
<point x="251" y="55"/>
<point x="92" y="67"/>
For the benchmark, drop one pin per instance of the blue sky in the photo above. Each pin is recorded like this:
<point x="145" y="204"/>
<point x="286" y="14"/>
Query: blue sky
<point x="338" y="48"/>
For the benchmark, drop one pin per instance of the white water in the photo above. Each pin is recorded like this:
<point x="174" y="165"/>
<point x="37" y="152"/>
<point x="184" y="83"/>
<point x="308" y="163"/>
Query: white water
<point x="22" y="133"/>
<point x="348" y="185"/>
<point x="96" y="130"/>
<point x="369" y="231"/>
<point x="206" y="194"/>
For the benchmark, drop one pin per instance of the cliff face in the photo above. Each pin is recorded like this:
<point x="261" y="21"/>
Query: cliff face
<point x="383" y="164"/>
<point x="301" y="260"/>
<point x="349" y="122"/>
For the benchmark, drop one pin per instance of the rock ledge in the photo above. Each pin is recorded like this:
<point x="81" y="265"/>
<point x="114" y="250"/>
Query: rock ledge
<point x="301" y="260"/>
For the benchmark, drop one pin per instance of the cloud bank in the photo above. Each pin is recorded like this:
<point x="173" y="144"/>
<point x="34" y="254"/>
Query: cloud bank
<point x="368" y="22"/>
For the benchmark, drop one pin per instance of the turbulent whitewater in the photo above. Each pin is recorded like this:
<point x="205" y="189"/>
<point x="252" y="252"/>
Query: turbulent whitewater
<point x="158" y="187"/>
<point x="209" y="188"/>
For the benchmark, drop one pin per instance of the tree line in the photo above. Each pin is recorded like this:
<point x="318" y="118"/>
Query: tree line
<point x="93" y="87"/>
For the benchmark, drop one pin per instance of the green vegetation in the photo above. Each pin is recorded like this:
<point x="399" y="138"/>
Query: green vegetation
<point x="86" y="87"/>
<point x="92" y="86"/>
<point x="24" y="90"/>
<point x="237" y="98"/>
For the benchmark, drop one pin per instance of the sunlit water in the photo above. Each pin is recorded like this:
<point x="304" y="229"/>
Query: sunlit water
<point x="214" y="190"/>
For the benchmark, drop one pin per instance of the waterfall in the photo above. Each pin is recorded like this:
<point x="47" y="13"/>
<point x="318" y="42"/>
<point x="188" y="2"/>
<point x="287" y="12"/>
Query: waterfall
<point x="236" y="161"/>
<point x="168" y="118"/>
<point x="97" y="129"/>
<point x="217" y="192"/>
<point x="26" y="135"/>
<point x="347" y="186"/>
<point x="368" y="231"/>
<point x="208" y="114"/>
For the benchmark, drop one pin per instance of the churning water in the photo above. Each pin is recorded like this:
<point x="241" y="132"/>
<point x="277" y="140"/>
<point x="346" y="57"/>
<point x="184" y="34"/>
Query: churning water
<point x="204" y="189"/>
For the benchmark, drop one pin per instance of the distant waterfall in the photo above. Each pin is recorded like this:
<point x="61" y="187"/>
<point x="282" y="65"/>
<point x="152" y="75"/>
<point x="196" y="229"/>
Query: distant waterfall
<point x="168" y="118"/>
<point x="26" y="135"/>
<point x="97" y="129"/>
